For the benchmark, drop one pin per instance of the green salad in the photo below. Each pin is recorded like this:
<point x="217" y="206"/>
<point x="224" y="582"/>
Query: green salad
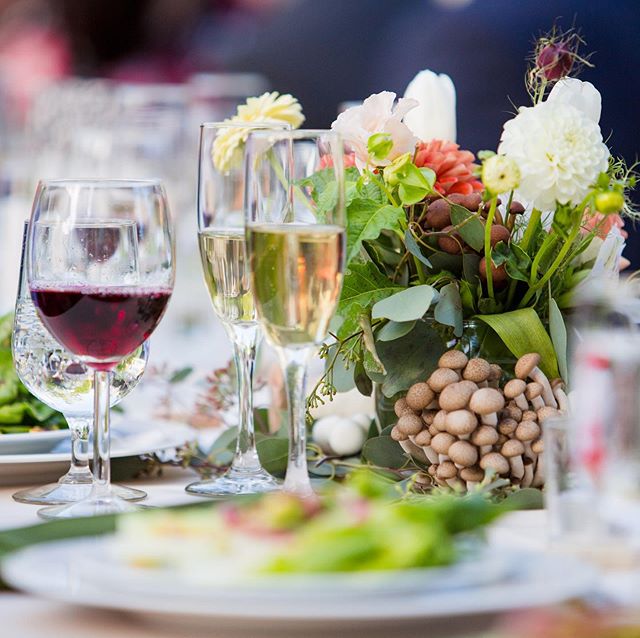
<point x="20" y="411"/>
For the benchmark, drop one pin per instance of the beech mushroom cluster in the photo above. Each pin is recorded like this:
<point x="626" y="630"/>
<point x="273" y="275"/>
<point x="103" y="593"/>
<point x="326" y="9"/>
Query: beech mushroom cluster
<point x="464" y="424"/>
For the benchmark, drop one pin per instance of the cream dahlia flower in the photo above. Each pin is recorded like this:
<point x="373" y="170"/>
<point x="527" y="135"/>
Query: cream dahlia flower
<point x="558" y="146"/>
<point x="268" y="108"/>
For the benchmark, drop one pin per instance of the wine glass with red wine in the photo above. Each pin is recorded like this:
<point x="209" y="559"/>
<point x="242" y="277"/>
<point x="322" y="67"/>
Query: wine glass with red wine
<point x="101" y="269"/>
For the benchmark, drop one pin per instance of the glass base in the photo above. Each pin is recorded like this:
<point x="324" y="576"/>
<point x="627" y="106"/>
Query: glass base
<point x="62" y="493"/>
<point x="234" y="483"/>
<point x="94" y="505"/>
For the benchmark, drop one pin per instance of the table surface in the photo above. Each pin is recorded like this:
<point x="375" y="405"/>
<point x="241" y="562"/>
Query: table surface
<point x="30" y="617"/>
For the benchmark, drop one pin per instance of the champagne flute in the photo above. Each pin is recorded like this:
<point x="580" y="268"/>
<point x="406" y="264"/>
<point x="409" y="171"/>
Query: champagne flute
<point x="221" y="236"/>
<point x="296" y="257"/>
<point x="101" y="272"/>
<point x="64" y="383"/>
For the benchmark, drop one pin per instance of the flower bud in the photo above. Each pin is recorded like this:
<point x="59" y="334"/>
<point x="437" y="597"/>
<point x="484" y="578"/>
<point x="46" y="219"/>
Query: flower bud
<point x="555" y="60"/>
<point x="395" y="171"/>
<point x="609" y="202"/>
<point x="500" y="174"/>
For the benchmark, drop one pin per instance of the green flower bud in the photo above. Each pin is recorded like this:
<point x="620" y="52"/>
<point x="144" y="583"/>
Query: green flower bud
<point x="396" y="170"/>
<point x="609" y="202"/>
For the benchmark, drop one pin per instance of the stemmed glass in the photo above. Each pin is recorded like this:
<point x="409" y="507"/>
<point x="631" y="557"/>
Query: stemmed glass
<point x="101" y="272"/>
<point x="221" y="236"/>
<point x="64" y="383"/>
<point x="296" y="245"/>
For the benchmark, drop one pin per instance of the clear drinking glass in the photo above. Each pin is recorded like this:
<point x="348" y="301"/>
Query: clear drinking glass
<point x="296" y="244"/>
<point x="221" y="237"/>
<point x="63" y="382"/>
<point x="101" y="272"/>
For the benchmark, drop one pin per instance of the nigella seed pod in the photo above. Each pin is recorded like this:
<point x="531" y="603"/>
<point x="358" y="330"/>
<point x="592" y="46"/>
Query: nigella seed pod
<point x="555" y="60"/>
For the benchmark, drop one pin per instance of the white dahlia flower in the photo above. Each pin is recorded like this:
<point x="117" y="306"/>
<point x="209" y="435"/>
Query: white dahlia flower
<point x="558" y="147"/>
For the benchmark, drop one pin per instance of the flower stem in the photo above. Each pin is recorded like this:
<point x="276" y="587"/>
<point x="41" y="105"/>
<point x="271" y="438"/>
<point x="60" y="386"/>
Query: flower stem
<point x="549" y="242"/>
<point x="532" y="227"/>
<point x="487" y="245"/>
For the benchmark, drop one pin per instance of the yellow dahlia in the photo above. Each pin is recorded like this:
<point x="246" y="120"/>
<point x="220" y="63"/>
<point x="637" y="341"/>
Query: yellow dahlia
<point x="268" y="108"/>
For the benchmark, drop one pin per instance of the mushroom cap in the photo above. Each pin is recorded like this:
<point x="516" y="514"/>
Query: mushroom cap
<point x="495" y="462"/>
<point x="526" y="363"/>
<point x="446" y="470"/>
<point x="477" y="370"/>
<point x="432" y="469"/>
<point x="428" y="416"/>
<point x="440" y="420"/>
<point x="512" y="411"/>
<point x="410" y="424"/>
<point x="473" y="473"/>
<point x="433" y="430"/>
<point x="441" y="378"/>
<point x="419" y="396"/>
<point x="512" y="447"/>
<point x="514" y="388"/>
<point x="528" y="431"/>
<point x="422" y="438"/>
<point x="533" y="391"/>
<point x="396" y="435"/>
<point x="457" y="395"/>
<point x="502" y="439"/>
<point x="496" y="372"/>
<point x="454" y="359"/>
<point x="486" y="401"/>
<point x="507" y="426"/>
<point x="530" y="415"/>
<point x="463" y="453"/>
<point x="485" y="435"/>
<point x="538" y="446"/>
<point x="461" y="422"/>
<point x="401" y="407"/>
<point x="441" y="442"/>
<point x="547" y="412"/>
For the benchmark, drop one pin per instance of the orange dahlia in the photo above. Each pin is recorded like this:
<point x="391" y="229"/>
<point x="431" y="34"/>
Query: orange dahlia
<point x="453" y="167"/>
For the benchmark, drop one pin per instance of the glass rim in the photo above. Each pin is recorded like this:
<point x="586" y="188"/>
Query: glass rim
<point x="300" y="133"/>
<point x="100" y="182"/>
<point x="259" y="126"/>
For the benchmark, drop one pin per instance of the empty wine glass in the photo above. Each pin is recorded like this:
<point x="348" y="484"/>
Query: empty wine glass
<point x="101" y="272"/>
<point x="64" y="383"/>
<point x="296" y="245"/>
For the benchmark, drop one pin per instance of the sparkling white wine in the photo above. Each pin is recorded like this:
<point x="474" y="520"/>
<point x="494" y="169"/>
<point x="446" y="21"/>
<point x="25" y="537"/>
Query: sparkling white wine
<point x="296" y="277"/>
<point x="226" y="273"/>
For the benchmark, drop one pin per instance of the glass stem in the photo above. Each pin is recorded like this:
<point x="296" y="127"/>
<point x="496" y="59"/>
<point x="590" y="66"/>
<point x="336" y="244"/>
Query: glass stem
<point x="101" y="435"/>
<point x="294" y="364"/>
<point x="79" y="470"/>
<point x="245" y="342"/>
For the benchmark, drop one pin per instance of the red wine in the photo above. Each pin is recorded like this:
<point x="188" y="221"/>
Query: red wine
<point x="103" y="323"/>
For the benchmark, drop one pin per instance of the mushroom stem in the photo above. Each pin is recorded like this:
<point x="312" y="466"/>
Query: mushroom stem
<point x="471" y="485"/>
<point x="527" y="479"/>
<point x="521" y="402"/>
<point x="430" y="454"/>
<point x="537" y="403"/>
<point x="406" y="445"/>
<point x="442" y="458"/>
<point x="547" y="394"/>
<point x="561" y="397"/>
<point x="538" y="477"/>
<point x="490" y="419"/>
<point x="517" y="466"/>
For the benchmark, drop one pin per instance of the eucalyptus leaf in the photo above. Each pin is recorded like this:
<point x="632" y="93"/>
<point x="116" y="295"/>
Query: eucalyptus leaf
<point x="407" y="305"/>
<point x="558" y="332"/>
<point x="448" y="311"/>
<point x="414" y="248"/>
<point x="273" y="453"/>
<point x="384" y="452"/>
<point x="362" y="380"/>
<point x="528" y="498"/>
<point x="366" y="220"/>
<point x="363" y="286"/>
<point x="444" y="261"/>
<point x="394" y="330"/>
<point x="522" y="332"/>
<point x="472" y="231"/>
<point x="470" y="266"/>
<point x="343" y="380"/>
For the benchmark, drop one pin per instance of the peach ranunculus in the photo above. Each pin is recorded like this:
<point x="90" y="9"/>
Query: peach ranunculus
<point x="453" y="167"/>
<point x="377" y="114"/>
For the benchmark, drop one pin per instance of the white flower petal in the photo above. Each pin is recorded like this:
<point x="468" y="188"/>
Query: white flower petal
<point x="583" y="95"/>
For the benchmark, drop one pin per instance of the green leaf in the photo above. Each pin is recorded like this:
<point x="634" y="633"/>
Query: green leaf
<point x="448" y="311"/>
<point x="379" y="145"/>
<point x="522" y="332"/>
<point x="394" y="330"/>
<point x="328" y="198"/>
<point x="273" y="453"/>
<point x="467" y="297"/>
<point x="368" y="187"/>
<point x="558" y="332"/>
<point x="6" y="330"/>
<point x="372" y="363"/>
<point x="528" y="498"/>
<point x="226" y="441"/>
<point x="180" y="375"/>
<point x="366" y="220"/>
<point x="415" y="184"/>
<point x="407" y="305"/>
<point x="410" y="358"/>
<point x="473" y="230"/>
<point x="413" y="247"/>
<point x="518" y="264"/>
<point x="384" y="452"/>
<point x="363" y="286"/>
<point x="362" y="380"/>
<point x="470" y="266"/>
<point x="343" y="375"/>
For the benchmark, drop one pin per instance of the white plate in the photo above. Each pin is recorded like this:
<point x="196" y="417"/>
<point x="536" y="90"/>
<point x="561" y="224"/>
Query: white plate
<point x="130" y="439"/>
<point x="61" y="571"/>
<point x="31" y="442"/>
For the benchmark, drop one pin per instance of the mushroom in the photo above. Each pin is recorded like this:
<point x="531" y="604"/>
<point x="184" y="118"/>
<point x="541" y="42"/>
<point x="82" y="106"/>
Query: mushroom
<point x="502" y="439"/>
<point x="487" y="402"/>
<point x="432" y="469"/>
<point x="410" y="424"/>
<point x="472" y="476"/>
<point x="441" y="378"/>
<point x="527" y="366"/>
<point x="526" y="432"/>
<point x="401" y="408"/>
<point x="457" y="395"/>
<point x="513" y="451"/>
<point x="441" y="443"/>
<point x="402" y="439"/>
<point x="433" y="430"/>
<point x="485" y="437"/>
<point x="423" y="439"/>
<point x="512" y="411"/>
<point x="478" y="371"/>
<point x="495" y="375"/>
<point x="557" y="387"/>
<point x="461" y="423"/>
<point x="507" y="426"/>
<point x="527" y="479"/>
<point x="496" y="462"/>
<point x="529" y="415"/>
<point x="463" y="454"/>
<point x="448" y="473"/>
<point x="534" y="390"/>
<point x="422" y="479"/>
<point x="419" y="396"/>
<point x="428" y="416"/>
<point x="546" y="412"/>
<point x="439" y="421"/>
<point x="515" y="389"/>
<point x="453" y="359"/>
<point x="538" y="477"/>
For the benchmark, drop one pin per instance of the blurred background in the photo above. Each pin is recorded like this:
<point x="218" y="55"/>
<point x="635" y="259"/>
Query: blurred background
<point x="117" y="88"/>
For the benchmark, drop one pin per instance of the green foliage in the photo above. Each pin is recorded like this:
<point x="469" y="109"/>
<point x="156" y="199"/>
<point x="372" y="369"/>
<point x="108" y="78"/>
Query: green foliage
<point x="470" y="227"/>
<point x="408" y="305"/>
<point x="366" y="220"/>
<point x="449" y="309"/>
<point x="558" y="333"/>
<point x="379" y="146"/>
<point x="363" y="286"/>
